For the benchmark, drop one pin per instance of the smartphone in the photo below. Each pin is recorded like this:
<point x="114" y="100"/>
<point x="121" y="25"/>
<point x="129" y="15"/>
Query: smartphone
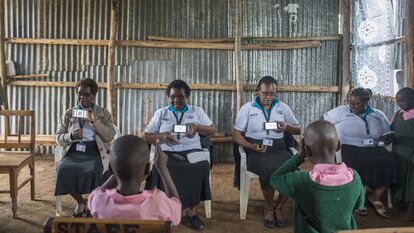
<point x="79" y="113"/>
<point x="270" y="125"/>
<point x="180" y="129"/>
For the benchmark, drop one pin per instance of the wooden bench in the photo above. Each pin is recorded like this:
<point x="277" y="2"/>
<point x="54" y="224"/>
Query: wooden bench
<point x="382" y="230"/>
<point x="84" y="225"/>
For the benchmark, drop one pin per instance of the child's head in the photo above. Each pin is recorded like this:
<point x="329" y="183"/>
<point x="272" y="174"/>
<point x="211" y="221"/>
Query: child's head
<point x="321" y="142"/>
<point x="405" y="98"/>
<point x="130" y="159"/>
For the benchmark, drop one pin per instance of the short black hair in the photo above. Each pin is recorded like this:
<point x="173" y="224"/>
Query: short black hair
<point x="406" y="92"/>
<point x="179" y="84"/>
<point x="128" y="153"/>
<point x="266" y="80"/>
<point x="364" y="94"/>
<point x="88" y="82"/>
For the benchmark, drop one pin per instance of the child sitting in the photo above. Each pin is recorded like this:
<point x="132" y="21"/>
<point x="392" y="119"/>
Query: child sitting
<point x="325" y="197"/>
<point x="130" y="165"/>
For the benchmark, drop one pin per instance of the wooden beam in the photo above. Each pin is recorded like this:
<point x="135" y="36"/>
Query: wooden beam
<point x="111" y="100"/>
<point x="3" y="67"/>
<point x="237" y="57"/>
<point x="409" y="35"/>
<point x="282" y="45"/>
<point x="28" y="76"/>
<point x="197" y="86"/>
<point x="170" y="44"/>
<point x="176" y="39"/>
<point x="346" y="50"/>
<point x="44" y="41"/>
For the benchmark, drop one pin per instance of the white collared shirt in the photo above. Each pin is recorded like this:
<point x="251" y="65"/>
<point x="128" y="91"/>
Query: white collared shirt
<point x="164" y="121"/>
<point x="251" y="120"/>
<point x="351" y="128"/>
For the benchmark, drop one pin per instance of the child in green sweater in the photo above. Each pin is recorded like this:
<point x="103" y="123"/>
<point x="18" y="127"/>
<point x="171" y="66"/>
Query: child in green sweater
<point x="325" y="197"/>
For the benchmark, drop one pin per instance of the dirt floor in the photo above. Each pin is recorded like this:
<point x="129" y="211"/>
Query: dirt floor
<point x="225" y="205"/>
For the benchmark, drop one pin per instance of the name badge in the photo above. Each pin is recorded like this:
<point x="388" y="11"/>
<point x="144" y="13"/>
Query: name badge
<point x="80" y="147"/>
<point x="368" y="141"/>
<point x="267" y="142"/>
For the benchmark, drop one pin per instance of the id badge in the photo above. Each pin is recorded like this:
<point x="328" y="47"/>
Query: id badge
<point x="267" y="142"/>
<point x="81" y="147"/>
<point x="368" y="141"/>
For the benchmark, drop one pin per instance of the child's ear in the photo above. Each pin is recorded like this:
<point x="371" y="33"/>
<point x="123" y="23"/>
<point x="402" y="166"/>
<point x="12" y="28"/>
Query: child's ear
<point x="308" y="151"/>
<point x="338" y="147"/>
<point x="147" y="169"/>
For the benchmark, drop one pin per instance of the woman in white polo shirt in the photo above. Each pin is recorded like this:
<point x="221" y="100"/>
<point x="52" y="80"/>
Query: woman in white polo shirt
<point x="259" y="128"/>
<point x="359" y="128"/>
<point x="178" y="127"/>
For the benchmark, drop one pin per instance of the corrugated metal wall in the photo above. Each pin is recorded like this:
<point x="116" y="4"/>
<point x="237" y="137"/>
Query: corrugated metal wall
<point x="89" y="19"/>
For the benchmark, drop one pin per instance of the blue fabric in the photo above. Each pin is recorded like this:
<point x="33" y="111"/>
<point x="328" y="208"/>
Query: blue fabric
<point x="256" y="104"/>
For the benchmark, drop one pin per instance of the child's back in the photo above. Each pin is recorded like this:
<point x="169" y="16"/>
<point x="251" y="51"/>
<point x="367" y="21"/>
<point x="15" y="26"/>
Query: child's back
<point x="326" y="197"/>
<point x="122" y="199"/>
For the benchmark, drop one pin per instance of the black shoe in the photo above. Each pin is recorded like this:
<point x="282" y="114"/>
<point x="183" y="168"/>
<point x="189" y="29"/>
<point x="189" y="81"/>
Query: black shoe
<point x="269" y="223"/>
<point x="196" y="223"/>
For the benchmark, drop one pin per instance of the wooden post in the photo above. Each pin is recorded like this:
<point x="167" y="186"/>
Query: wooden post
<point x="237" y="57"/>
<point x="409" y="35"/>
<point x="147" y="111"/>
<point x="3" y="69"/>
<point x="111" y="60"/>
<point x="346" y="49"/>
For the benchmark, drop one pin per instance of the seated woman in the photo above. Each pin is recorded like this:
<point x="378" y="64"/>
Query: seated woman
<point x="264" y="143"/>
<point x="403" y="147"/>
<point x="85" y="142"/>
<point x="359" y="128"/>
<point x="191" y="178"/>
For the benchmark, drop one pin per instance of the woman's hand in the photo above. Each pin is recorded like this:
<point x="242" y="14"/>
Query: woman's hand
<point x="281" y="126"/>
<point x="259" y="148"/>
<point x="168" y="139"/>
<point x="192" y="130"/>
<point x="161" y="157"/>
<point x="387" y="138"/>
<point x="77" y="134"/>
<point x="91" y="116"/>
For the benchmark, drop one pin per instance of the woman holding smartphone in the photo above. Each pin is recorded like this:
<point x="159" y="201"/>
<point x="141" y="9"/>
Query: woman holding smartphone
<point x="84" y="133"/>
<point x="178" y="126"/>
<point x="260" y="129"/>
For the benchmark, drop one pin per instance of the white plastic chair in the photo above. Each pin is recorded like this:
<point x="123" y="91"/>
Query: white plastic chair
<point x="58" y="150"/>
<point x="207" y="203"/>
<point x="388" y="147"/>
<point x="245" y="179"/>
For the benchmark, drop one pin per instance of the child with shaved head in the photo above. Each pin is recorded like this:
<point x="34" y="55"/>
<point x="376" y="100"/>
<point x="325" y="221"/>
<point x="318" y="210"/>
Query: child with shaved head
<point x="130" y="165"/>
<point x="325" y="197"/>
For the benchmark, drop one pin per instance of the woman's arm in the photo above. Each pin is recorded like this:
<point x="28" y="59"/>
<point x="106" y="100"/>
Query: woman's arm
<point x="62" y="136"/>
<point x="105" y="127"/>
<point x="151" y="138"/>
<point x="239" y="139"/>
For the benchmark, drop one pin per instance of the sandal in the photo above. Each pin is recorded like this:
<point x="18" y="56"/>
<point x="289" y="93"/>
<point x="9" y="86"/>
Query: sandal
<point x="362" y="212"/>
<point x="269" y="223"/>
<point x="280" y="221"/>
<point x="77" y="213"/>
<point x="379" y="208"/>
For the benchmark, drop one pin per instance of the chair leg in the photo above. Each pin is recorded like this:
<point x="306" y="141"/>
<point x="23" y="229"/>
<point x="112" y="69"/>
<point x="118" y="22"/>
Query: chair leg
<point x="389" y="199"/>
<point x="58" y="205"/>
<point x="244" y="194"/>
<point x="13" y="190"/>
<point x="32" y="182"/>
<point x="207" y="205"/>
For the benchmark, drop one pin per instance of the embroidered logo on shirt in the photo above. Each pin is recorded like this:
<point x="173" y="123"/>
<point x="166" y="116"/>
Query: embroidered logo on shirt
<point x="190" y="117"/>
<point x="253" y="114"/>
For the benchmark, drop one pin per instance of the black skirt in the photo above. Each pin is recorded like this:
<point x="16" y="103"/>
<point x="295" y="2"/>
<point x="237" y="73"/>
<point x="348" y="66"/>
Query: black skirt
<point x="264" y="164"/>
<point x="79" y="172"/>
<point x="191" y="179"/>
<point x="375" y="165"/>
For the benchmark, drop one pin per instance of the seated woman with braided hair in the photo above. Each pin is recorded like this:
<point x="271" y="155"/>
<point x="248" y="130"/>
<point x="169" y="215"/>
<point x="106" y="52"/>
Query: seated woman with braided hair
<point x="359" y="129"/>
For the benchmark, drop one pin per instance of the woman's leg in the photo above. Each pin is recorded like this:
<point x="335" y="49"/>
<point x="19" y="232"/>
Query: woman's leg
<point x="377" y="193"/>
<point x="268" y="196"/>
<point x="410" y="212"/>
<point x="81" y="204"/>
<point x="195" y="220"/>
<point x="280" y="203"/>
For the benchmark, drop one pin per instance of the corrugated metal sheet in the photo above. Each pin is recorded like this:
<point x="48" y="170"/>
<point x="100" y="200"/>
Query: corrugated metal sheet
<point x="89" y="19"/>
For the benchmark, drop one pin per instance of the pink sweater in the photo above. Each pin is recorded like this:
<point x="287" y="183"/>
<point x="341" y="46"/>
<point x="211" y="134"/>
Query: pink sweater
<point x="148" y="205"/>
